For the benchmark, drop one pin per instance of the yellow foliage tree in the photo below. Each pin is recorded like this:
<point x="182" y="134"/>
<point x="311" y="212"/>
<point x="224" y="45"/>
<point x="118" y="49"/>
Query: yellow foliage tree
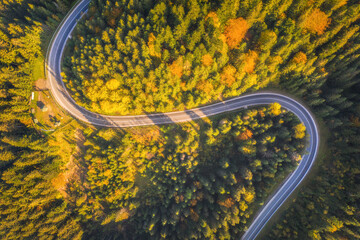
<point x="273" y="62"/>
<point x="151" y="42"/>
<point x="113" y="84"/>
<point x="314" y="234"/>
<point x="334" y="224"/>
<point x="339" y="3"/>
<point x="222" y="38"/>
<point x="299" y="130"/>
<point x="275" y="108"/>
<point x="248" y="150"/>
<point x="316" y="22"/>
<point x="235" y="31"/>
<point x="214" y="17"/>
<point x="106" y="37"/>
<point x="249" y="195"/>
<point x="248" y="175"/>
<point x="107" y="106"/>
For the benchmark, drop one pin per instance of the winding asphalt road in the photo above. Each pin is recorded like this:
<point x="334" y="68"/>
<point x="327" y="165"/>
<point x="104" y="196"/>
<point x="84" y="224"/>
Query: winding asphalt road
<point x="61" y="96"/>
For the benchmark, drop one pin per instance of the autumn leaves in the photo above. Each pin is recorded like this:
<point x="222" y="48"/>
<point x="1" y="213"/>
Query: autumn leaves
<point x="181" y="55"/>
<point x="235" y="31"/>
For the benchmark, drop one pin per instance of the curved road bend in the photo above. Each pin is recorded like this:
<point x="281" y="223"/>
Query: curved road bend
<point x="58" y="90"/>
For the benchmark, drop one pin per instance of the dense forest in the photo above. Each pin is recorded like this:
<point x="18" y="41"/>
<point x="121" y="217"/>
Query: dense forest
<point x="122" y="178"/>
<point x="191" y="181"/>
<point x="202" y="179"/>
<point x="30" y="208"/>
<point x="132" y="57"/>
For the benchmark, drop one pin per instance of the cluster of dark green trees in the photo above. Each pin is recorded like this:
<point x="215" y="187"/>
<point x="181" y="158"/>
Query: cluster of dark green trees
<point x="328" y="208"/>
<point x="198" y="180"/>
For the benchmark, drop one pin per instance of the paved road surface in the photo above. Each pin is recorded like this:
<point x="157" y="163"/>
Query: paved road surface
<point x="58" y="90"/>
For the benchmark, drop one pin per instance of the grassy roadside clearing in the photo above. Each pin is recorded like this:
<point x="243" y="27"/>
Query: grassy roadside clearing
<point x="46" y="114"/>
<point x="38" y="68"/>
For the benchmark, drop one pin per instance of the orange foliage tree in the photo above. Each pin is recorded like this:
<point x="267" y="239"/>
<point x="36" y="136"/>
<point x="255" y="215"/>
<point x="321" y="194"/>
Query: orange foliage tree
<point x="300" y="57"/>
<point x="227" y="75"/>
<point x="228" y="203"/>
<point x="112" y="15"/>
<point x="206" y="60"/>
<point x="235" y="31"/>
<point x="250" y="61"/>
<point x="176" y="68"/>
<point x="316" y="22"/>
<point x="245" y="135"/>
<point x="123" y="214"/>
<point x="205" y="86"/>
<point x="193" y="215"/>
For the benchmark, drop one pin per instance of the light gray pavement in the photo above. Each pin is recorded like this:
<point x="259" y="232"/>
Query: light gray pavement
<point x="61" y="96"/>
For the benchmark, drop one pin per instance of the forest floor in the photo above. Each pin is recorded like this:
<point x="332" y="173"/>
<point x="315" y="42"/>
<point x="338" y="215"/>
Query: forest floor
<point x="71" y="151"/>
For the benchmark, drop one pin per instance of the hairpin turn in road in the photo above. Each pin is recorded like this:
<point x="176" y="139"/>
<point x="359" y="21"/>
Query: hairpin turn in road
<point x="62" y="97"/>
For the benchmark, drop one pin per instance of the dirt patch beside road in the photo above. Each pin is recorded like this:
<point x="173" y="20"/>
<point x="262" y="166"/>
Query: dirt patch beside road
<point x="41" y="84"/>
